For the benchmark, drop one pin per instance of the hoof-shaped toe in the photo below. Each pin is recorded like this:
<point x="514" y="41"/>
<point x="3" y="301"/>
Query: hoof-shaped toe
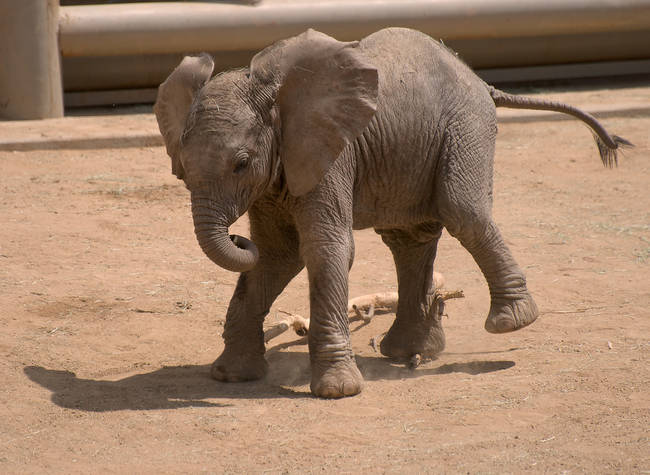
<point x="238" y="368"/>
<point x="508" y="315"/>
<point x="337" y="380"/>
<point x="403" y="343"/>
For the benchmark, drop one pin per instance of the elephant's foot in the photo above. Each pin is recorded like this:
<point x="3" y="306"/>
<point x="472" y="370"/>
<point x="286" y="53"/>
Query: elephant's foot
<point x="405" y="340"/>
<point x="233" y="366"/>
<point x="508" y="314"/>
<point x="336" y="379"/>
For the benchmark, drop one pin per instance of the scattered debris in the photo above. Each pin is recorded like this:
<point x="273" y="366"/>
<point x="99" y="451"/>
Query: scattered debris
<point x="374" y="341"/>
<point x="183" y="305"/>
<point x="415" y="361"/>
<point x="577" y="310"/>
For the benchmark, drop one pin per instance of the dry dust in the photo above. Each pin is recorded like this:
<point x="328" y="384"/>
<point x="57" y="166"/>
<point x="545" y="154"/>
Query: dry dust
<point x="111" y="316"/>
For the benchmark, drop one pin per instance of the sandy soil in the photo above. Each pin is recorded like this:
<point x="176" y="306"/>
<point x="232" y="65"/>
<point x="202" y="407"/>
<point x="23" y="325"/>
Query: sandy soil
<point x="111" y="316"/>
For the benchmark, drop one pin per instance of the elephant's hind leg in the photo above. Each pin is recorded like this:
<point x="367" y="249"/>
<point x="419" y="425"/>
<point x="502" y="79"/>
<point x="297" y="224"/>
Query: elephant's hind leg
<point x="416" y="330"/>
<point x="465" y="208"/>
<point x="512" y="307"/>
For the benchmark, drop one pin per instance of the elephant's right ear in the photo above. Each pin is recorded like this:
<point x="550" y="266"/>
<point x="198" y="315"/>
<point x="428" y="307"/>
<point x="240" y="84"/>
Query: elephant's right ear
<point x="175" y="97"/>
<point x="326" y="94"/>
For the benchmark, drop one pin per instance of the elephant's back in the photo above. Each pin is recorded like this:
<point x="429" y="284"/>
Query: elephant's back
<point x="425" y="92"/>
<point x="417" y="71"/>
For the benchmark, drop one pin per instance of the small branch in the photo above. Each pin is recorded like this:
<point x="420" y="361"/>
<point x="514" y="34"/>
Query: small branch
<point x="370" y="313"/>
<point x="360" y="316"/>
<point x="382" y="300"/>
<point x="363" y="308"/>
<point x="299" y="324"/>
<point x="276" y="330"/>
<point x="375" y="340"/>
<point x="451" y="294"/>
<point x="357" y="312"/>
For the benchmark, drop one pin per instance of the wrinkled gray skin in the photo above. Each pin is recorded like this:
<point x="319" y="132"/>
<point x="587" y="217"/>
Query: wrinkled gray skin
<point x="318" y="138"/>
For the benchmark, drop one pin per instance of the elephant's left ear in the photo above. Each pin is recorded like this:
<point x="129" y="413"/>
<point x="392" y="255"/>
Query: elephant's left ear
<point x="175" y="97"/>
<point x="327" y="94"/>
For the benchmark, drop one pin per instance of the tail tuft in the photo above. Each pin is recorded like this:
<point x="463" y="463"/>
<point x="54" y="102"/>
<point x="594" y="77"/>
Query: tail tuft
<point x="609" y="154"/>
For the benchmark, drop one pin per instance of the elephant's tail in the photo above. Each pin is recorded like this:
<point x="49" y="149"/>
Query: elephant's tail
<point x="608" y="145"/>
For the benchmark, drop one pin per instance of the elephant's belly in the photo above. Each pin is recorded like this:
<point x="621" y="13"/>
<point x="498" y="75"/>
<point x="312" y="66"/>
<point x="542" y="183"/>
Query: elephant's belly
<point x="392" y="212"/>
<point x="394" y="191"/>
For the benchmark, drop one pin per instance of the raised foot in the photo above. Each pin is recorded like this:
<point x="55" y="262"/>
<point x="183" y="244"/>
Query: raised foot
<point x="336" y="380"/>
<point x="510" y="314"/>
<point x="234" y="367"/>
<point x="402" y="343"/>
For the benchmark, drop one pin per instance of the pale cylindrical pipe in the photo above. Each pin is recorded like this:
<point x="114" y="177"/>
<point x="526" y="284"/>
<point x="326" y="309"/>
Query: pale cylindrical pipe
<point x="30" y="74"/>
<point x="146" y="71"/>
<point x="157" y="28"/>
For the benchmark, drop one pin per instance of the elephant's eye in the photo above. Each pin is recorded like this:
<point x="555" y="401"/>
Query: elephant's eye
<point x="241" y="162"/>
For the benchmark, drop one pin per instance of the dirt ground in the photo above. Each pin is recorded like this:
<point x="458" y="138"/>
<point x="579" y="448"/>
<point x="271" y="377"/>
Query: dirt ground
<point x="111" y="316"/>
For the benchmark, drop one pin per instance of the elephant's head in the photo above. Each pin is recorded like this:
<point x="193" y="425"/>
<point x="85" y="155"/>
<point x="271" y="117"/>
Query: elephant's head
<point x="284" y="120"/>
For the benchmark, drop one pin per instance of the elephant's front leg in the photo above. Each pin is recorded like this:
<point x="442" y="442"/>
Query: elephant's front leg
<point x="328" y="253"/>
<point x="243" y="356"/>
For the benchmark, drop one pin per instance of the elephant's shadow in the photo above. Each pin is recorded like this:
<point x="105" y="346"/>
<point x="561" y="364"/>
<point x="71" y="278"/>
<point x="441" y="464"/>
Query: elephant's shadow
<point x="191" y="386"/>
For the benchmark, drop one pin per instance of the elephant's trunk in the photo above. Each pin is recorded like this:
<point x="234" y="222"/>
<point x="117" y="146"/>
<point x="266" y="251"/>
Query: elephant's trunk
<point x="233" y="253"/>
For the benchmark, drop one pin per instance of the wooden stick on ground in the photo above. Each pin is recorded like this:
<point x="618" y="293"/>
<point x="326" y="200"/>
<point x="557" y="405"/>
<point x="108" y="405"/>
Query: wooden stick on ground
<point x="359" y="308"/>
<point x="299" y="324"/>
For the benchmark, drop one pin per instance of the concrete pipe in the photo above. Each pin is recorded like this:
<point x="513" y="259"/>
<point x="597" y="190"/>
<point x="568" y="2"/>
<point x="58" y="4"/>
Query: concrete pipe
<point x="30" y="76"/>
<point x="158" y="28"/>
<point x="146" y="71"/>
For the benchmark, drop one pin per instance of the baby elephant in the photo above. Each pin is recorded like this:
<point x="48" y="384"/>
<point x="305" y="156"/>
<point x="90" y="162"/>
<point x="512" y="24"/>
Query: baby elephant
<point x="319" y="137"/>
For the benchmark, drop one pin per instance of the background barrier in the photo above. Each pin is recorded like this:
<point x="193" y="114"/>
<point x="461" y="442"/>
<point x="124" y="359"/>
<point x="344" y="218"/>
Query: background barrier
<point x="119" y="53"/>
<point x="30" y="77"/>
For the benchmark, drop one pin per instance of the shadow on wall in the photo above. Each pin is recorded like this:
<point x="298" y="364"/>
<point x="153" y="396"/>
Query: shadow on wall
<point x="191" y="386"/>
